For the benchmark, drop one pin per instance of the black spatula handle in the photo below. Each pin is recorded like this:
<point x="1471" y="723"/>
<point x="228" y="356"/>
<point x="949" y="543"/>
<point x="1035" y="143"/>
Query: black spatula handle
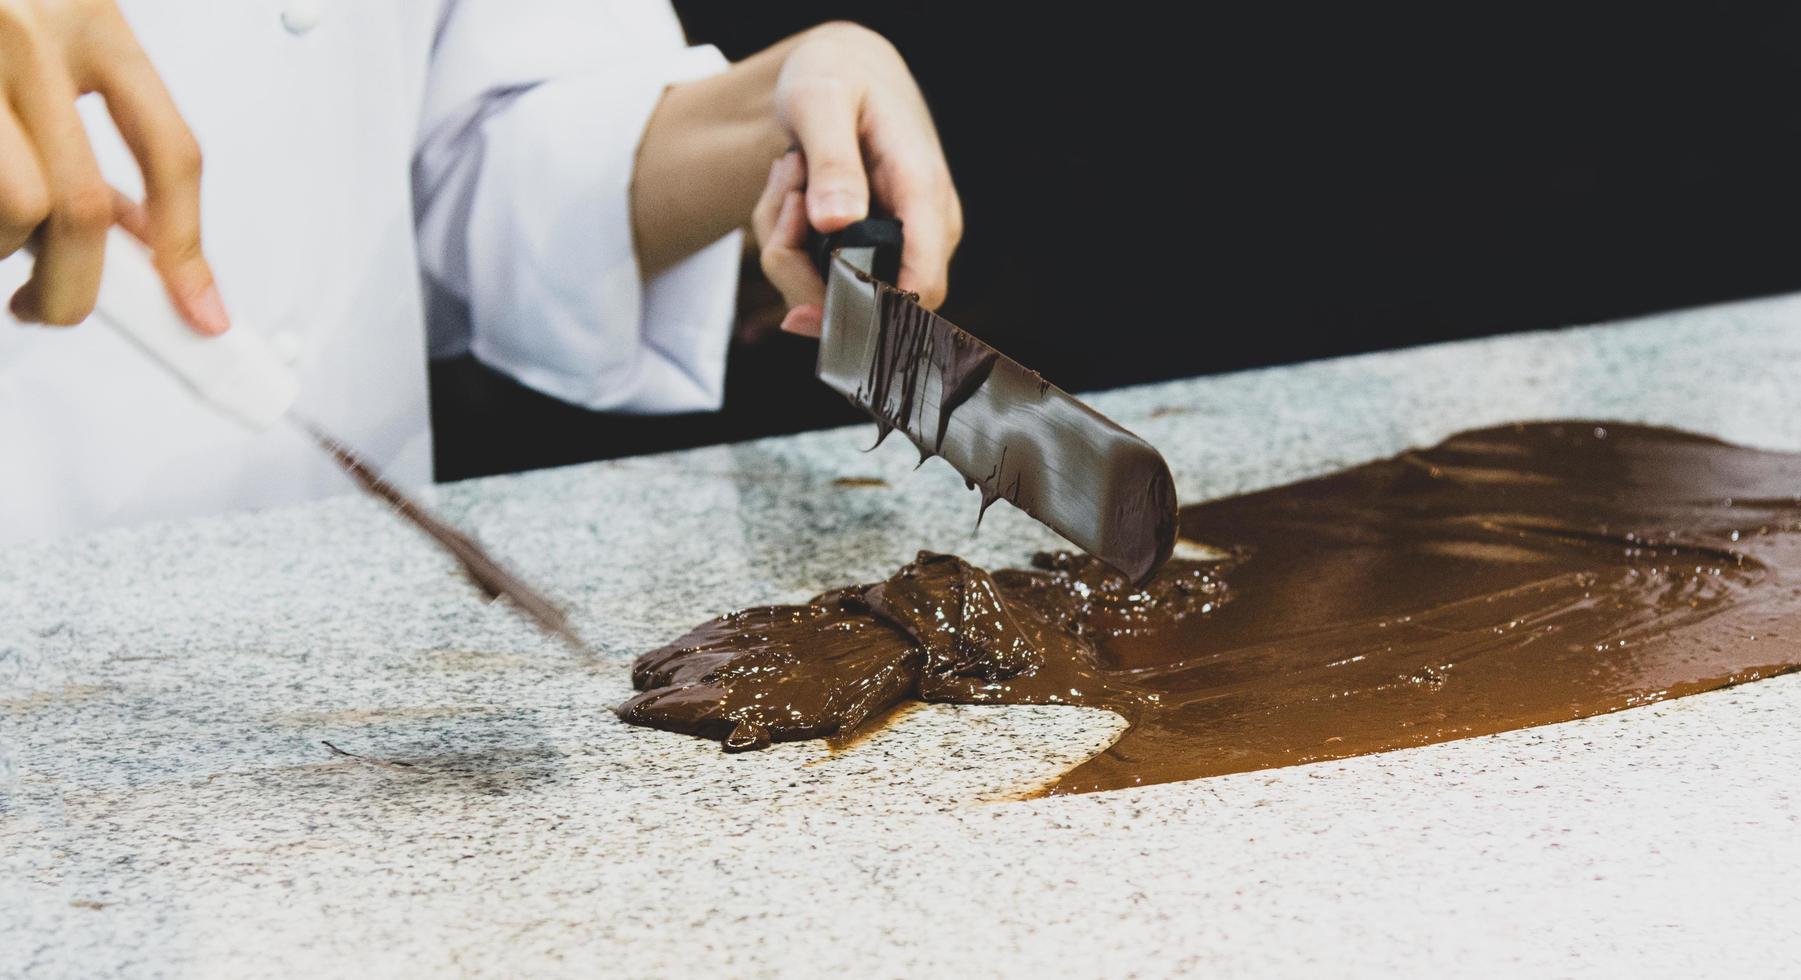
<point x="881" y="234"/>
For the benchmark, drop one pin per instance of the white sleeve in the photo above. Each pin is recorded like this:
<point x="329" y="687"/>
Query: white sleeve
<point x="531" y="126"/>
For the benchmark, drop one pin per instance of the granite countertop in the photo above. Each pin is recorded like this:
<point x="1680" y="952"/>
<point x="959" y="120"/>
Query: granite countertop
<point x="168" y="806"/>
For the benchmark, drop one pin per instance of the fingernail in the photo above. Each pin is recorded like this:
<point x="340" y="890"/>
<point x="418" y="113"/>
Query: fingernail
<point x="206" y="310"/>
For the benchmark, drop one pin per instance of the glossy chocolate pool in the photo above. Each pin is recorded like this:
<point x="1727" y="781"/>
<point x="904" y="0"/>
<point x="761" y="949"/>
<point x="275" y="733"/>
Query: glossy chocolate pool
<point x="1505" y="578"/>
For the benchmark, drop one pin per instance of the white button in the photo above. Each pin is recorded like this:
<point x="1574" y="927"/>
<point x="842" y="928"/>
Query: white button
<point x="300" y="16"/>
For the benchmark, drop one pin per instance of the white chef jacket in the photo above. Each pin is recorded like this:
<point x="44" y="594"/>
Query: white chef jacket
<point x="362" y="156"/>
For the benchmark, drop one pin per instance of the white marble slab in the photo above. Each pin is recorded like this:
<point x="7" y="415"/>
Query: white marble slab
<point x="167" y="807"/>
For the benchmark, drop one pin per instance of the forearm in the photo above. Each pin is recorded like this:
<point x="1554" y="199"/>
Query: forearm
<point x="704" y="159"/>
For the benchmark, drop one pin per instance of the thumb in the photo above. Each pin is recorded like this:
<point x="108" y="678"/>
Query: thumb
<point x="824" y="119"/>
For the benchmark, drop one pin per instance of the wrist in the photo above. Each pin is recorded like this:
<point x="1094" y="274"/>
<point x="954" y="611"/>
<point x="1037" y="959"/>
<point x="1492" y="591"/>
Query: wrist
<point x="702" y="160"/>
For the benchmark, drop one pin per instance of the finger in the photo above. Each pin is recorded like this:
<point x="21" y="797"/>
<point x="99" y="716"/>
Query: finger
<point x="131" y="216"/>
<point x="787" y="173"/>
<point x="807" y="320"/>
<point x="24" y="199"/>
<point x="824" y="118"/>
<point x="169" y="157"/>
<point x="72" y="243"/>
<point x="785" y="260"/>
<point x="929" y="211"/>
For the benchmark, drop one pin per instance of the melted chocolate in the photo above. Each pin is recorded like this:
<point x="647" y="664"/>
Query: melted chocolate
<point x="1505" y="578"/>
<point x="911" y="340"/>
<point x="1003" y="427"/>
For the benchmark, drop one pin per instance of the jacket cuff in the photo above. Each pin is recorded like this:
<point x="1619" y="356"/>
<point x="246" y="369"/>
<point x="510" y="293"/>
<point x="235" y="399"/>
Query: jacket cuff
<point x="556" y="299"/>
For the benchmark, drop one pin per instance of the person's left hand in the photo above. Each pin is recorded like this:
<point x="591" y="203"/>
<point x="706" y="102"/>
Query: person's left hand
<point x="861" y="131"/>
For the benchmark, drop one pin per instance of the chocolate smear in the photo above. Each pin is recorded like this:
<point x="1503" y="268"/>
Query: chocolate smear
<point x="490" y="576"/>
<point x="1506" y="578"/>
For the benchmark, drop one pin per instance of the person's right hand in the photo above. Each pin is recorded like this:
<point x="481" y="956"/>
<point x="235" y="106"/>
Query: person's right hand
<point x="864" y="138"/>
<point x="52" y="196"/>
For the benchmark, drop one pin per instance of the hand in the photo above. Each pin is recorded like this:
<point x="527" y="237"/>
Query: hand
<point x="51" y="193"/>
<point x="842" y="96"/>
<point x="861" y="126"/>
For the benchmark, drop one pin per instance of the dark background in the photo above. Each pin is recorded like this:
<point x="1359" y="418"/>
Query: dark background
<point x="1149" y="198"/>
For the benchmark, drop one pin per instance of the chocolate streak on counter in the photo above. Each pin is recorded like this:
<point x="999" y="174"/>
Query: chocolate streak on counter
<point x="488" y="575"/>
<point x="1505" y="578"/>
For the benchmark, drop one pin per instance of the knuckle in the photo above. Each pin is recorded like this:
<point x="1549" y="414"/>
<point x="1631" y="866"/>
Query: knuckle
<point x="851" y="32"/>
<point x="915" y="169"/>
<point x="180" y="157"/>
<point x="179" y="257"/>
<point x="819" y="90"/>
<point x="179" y="248"/>
<point x="86" y="207"/>
<point x="18" y="28"/>
<point x="770" y="262"/>
<point x="762" y="233"/>
<point x="788" y="272"/>
<point x="24" y="206"/>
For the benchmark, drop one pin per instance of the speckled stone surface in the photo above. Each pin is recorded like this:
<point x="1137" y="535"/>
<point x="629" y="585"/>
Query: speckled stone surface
<point x="167" y="807"/>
